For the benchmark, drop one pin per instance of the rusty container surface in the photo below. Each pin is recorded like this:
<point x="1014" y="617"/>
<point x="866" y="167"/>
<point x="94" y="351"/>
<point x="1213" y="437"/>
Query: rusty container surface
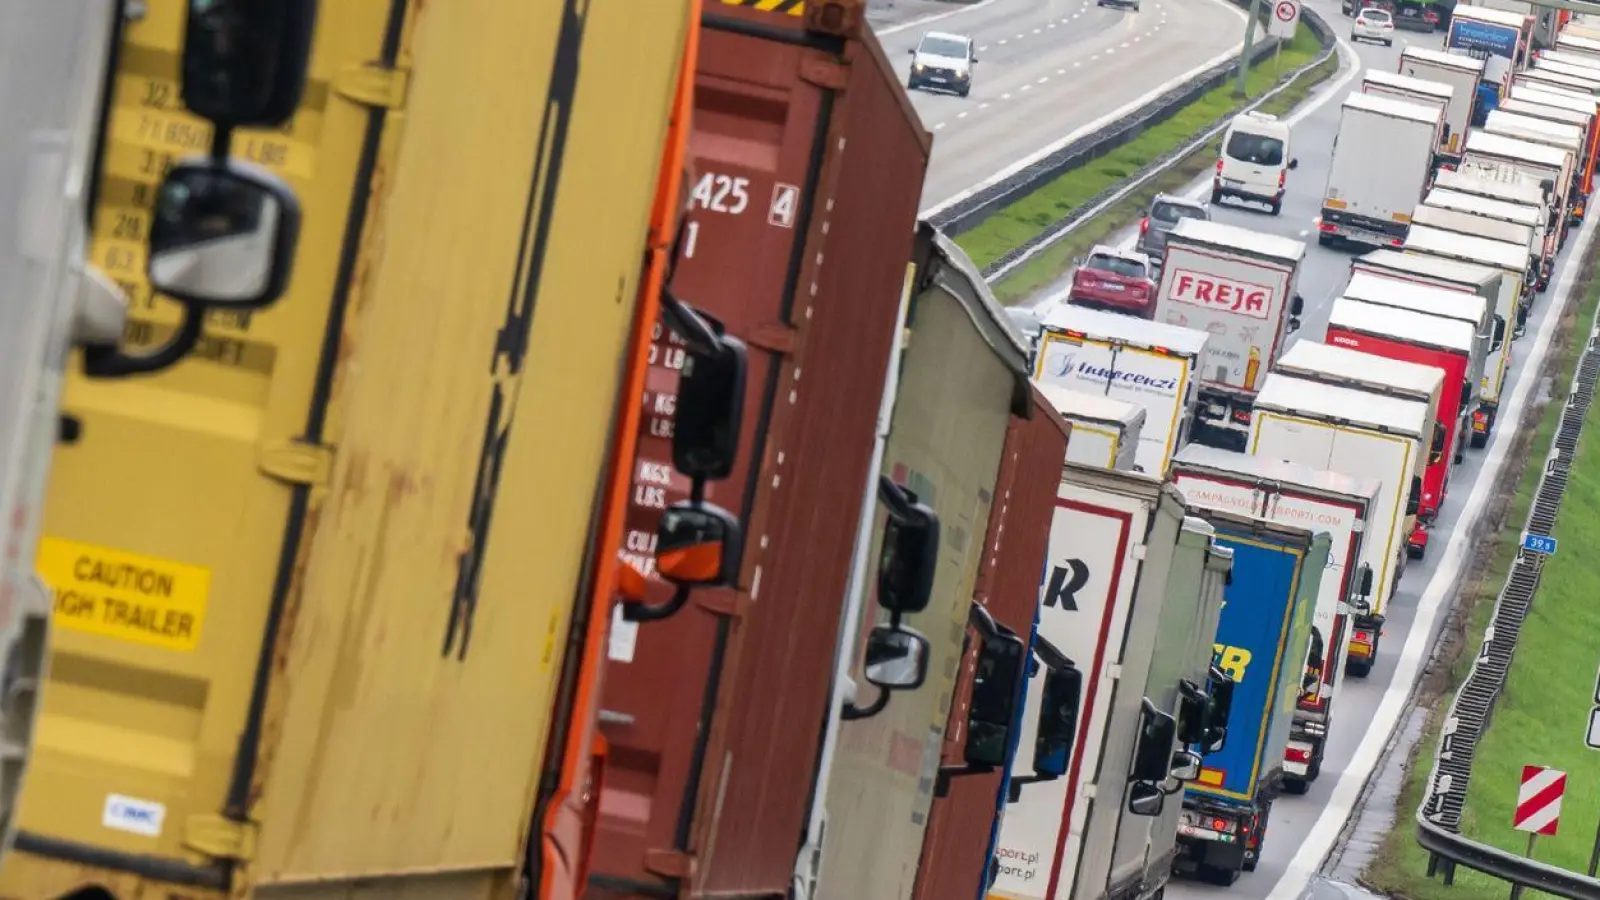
<point x="955" y="852"/>
<point x="963" y="375"/>
<point x="808" y="166"/>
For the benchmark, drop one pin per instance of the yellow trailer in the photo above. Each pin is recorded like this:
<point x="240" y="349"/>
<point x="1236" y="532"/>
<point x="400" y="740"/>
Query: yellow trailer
<point x="313" y="588"/>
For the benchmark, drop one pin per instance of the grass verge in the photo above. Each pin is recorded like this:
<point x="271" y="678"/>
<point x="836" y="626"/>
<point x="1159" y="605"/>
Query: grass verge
<point x="1029" y="217"/>
<point x="1540" y="718"/>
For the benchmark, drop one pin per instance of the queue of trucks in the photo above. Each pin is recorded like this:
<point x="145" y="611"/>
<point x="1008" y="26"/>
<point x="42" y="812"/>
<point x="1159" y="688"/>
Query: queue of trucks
<point x="625" y="494"/>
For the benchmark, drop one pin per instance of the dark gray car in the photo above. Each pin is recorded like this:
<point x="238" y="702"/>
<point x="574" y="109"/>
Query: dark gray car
<point x="1165" y="211"/>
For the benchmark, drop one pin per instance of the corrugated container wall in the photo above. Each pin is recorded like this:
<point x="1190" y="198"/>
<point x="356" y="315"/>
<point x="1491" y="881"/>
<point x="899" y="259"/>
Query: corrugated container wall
<point x="962" y="376"/>
<point x="955" y="853"/>
<point x="361" y="544"/>
<point x="809" y="163"/>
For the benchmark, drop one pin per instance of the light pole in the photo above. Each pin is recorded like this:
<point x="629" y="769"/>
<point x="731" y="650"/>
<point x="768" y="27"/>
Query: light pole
<point x="1244" y="54"/>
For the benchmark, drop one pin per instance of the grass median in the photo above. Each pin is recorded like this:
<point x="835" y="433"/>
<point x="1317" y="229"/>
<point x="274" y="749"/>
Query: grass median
<point x="1541" y="716"/>
<point x="1031" y="216"/>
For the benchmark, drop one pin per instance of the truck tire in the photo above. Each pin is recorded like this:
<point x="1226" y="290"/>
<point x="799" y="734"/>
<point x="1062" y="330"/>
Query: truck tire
<point x="1295" y="786"/>
<point x="1478" y="440"/>
<point x="1325" y="240"/>
<point x="1216" y="875"/>
<point x="1276" y="206"/>
<point x="1358" y="668"/>
<point x="1216" y="196"/>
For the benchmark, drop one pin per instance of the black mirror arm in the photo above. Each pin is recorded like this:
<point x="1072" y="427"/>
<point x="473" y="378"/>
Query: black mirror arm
<point x="106" y="361"/>
<point x="941" y="782"/>
<point x="691" y="324"/>
<point x="646" y="612"/>
<point x="1018" y="782"/>
<point x="852" y="712"/>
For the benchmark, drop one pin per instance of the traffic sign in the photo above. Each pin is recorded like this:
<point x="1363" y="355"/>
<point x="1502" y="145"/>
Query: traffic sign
<point x="1539" y="800"/>
<point x="1539" y="543"/>
<point x="1285" y="16"/>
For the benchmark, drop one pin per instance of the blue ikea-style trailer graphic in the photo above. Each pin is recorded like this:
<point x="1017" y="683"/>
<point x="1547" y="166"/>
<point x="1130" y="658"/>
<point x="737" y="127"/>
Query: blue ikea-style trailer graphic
<point x="1258" y="616"/>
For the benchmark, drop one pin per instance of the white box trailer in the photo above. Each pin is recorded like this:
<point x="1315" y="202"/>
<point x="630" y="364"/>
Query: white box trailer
<point x="1285" y="492"/>
<point x="1545" y="23"/>
<point x="1379" y="83"/>
<point x="1472" y="224"/>
<point x="1105" y="430"/>
<point x="1151" y="364"/>
<point x="1583" y="73"/>
<point x="1181" y="667"/>
<point x="1362" y="435"/>
<point x="1567" y="110"/>
<point x="1371" y="204"/>
<point x="1540" y="162"/>
<point x="1571" y="41"/>
<point x="1462" y="74"/>
<point x="1401" y="293"/>
<point x="1510" y="259"/>
<point x="1481" y="281"/>
<point x="1107" y="869"/>
<point x="1531" y="217"/>
<point x="1109" y="528"/>
<point x="1569" y="139"/>
<point x="1507" y="184"/>
<point x="1241" y="288"/>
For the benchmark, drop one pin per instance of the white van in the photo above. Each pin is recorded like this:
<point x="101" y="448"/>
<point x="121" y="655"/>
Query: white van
<point x="1255" y="161"/>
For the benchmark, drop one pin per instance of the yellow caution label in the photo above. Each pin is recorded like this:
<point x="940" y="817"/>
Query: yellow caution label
<point x="125" y="596"/>
<point x="1212" y="777"/>
<point x="791" y="7"/>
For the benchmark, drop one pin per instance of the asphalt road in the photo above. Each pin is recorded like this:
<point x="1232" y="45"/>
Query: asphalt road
<point x="1302" y="828"/>
<point x="1047" y="68"/>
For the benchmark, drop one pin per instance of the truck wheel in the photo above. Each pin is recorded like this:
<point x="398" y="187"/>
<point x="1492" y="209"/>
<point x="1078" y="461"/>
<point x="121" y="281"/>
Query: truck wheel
<point x="1358" y="668"/>
<point x="1276" y="206"/>
<point x="1216" y="196"/>
<point x="1249" y="865"/>
<point x="1315" y="768"/>
<point x="1295" y="786"/>
<point x="1478" y="440"/>
<point x="1325" y="240"/>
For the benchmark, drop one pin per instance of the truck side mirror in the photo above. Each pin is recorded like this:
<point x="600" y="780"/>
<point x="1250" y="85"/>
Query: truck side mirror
<point x="1221" y="695"/>
<point x="1436" y="450"/>
<point x="1145" y="799"/>
<point x="1499" y="335"/>
<point x="1191" y="713"/>
<point x="1294" y="164"/>
<point x="896" y="658"/>
<point x="711" y="385"/>
<point x="1366" y="579"/>
<point x="223" y="233"/>
<point x="1152" y="757"/>
<point x="1058" y="721"/>
<point x="910" y="552"/>
<point x="244" y="61"/>
<point x="994" y="701"/>
<point x="697" y="544"/>
<point x="1297" y="305"/>
<point x="1185" y="765"/>
<point x="1414" y="498"/>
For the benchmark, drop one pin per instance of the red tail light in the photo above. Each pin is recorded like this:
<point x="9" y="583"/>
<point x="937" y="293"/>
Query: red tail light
<point x="1282" y="174"/>
<point x="1219" y="165"/>
<point x="1144" y="224"/>
<point x="1295" y="754"/>
<point x="1220" y="825"/>
<point x="1363" y="637"/>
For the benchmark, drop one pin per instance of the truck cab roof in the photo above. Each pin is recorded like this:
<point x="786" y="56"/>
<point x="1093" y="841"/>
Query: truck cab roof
<point x="1406" y="325"/>
<point x="1343" y="406"/>
<point x="1099" y="325"/>
<point x="1233" y="238"/>
<point x="1261" y="468"/>
<point x="1360" y="370"/>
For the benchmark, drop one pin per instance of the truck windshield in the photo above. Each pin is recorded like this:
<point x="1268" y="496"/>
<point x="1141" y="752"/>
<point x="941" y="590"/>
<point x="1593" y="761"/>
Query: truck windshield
<point x="1255" y="148"/>
<point x="1116" y="265"/>
<point x="946" y="47"/>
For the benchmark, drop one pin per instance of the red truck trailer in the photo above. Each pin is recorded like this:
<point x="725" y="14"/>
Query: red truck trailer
<point x="808" y="162"/>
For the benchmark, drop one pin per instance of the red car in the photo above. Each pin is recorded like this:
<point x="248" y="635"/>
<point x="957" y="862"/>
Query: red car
<point x="1113" y="280"/>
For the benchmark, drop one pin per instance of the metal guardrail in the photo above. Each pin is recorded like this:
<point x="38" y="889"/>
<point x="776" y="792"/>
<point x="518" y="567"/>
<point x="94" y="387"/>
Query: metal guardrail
<point x="973" y="210"/>
<point x="1439" y="815"/>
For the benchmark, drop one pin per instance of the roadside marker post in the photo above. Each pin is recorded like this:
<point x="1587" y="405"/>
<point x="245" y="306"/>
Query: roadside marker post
<point x="1591" y="739"/>
<point x="1538" y="806"/>
<point x="1542" y="544"/>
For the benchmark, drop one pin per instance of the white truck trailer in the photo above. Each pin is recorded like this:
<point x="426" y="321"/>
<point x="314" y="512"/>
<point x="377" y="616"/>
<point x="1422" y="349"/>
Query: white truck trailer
<point x="1415" y="90"/>
<point x="1241" y="288"/>
<point x="1112" y="539"/>
<point x="1105" y="430"/>
<point x="1496" y="182"/>
<point x="1371" y="204"/>
<point x="1151" y="364"/>
<point x="1462" y="74"/>
<point x="1292" y="494"/>
<point x="1529" y="216"/>
<point x="1401" y="293"/>
<point x="1569" y="139"/>
<point x="1363" y="435"/>
<point x="1510" y="259"/>
<point x="1458" y="221"/>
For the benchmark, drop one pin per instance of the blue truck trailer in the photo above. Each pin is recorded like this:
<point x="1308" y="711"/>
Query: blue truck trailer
<point x="1261" y="646"/>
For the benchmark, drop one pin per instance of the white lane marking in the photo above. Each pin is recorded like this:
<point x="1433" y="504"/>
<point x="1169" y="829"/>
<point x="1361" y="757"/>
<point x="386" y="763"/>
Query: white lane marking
<point x="938" y="126"/>
<point x="1076" y="63"/>
<point x="983" y="48"/>
<point x="963" y="115"/>
<point x="1124" y="45"/>
<point x="1418" y="647"/>
<point x="1061" y="71"/>
<point x="1020" y="35"/>
<point x="1002" y="40"/>
<point x="1036" y="31"/>
<point x="1005" y="96"/>
<point x="1032" y="158"/>
<point x="1074" y="15"/>
<point x="1303" y="232"/>
<point x="1026" y="86"/>
<point x="1051" y="25"/>
<point x="893" y="29"/>
<point x="1042" y="79"/>
<point x="983" y="105"/>
<point x="1110" y="50"/>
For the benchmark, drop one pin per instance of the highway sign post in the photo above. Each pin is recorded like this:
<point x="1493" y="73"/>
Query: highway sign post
<point x="1538" y="807"/>
<point x="1285" y="18"/>
<point x="1542" y="544"/>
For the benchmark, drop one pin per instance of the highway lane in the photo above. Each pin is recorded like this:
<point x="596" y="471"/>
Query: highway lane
<point x="1303" y="827"/>
<point x="1048" y="68"/>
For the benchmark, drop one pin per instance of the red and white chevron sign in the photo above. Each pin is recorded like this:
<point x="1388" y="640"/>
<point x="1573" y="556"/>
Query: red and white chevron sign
<point x="1539" y="800"/>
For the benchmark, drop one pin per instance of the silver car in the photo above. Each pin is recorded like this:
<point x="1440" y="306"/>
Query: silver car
<point x="1165" y="211"/>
